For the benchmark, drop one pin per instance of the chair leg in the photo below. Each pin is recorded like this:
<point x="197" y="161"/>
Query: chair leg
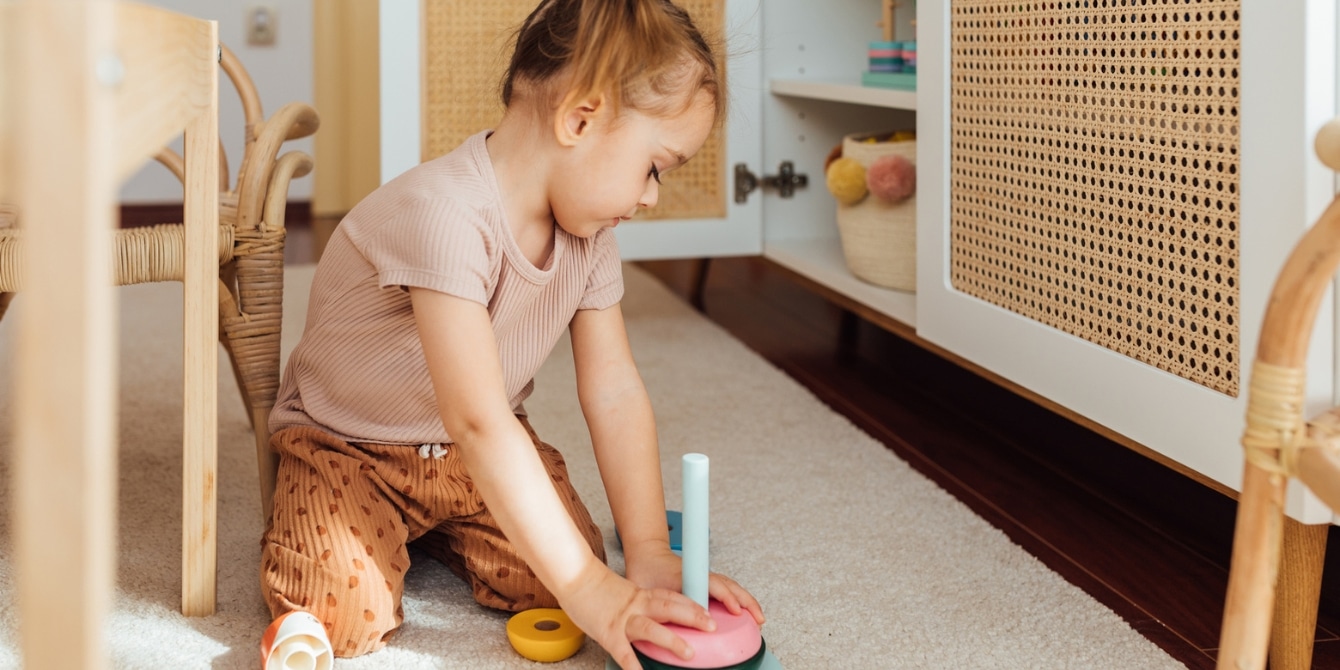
<point x="1299" y="592"/>
<point x="200" y="280"/>
<point x="1251" y="580"/>
<point x="267" y="461"/>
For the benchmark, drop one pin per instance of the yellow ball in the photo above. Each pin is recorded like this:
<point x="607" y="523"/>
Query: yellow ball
<point x="846" y="181"/>
<point x="544" y="634"/>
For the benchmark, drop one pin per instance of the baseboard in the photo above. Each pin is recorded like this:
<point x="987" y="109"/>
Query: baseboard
<point x="298" y="213"/>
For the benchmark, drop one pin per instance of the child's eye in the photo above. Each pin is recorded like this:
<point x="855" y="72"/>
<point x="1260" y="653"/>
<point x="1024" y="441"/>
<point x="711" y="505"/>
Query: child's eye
<point x="655" y="174"/>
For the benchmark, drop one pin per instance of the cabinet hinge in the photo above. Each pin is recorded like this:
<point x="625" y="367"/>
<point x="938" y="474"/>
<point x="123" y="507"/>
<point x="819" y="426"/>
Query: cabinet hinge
<point x="786" y="181"/>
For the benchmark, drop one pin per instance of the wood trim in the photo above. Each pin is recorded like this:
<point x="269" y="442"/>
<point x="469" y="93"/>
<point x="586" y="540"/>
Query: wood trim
<point x="908" y="333"/>
<point x="297" y="214"/>
<point x="346" y="82"/>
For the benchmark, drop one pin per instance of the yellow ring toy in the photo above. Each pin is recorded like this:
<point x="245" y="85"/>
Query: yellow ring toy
<point x="544" y="634"/>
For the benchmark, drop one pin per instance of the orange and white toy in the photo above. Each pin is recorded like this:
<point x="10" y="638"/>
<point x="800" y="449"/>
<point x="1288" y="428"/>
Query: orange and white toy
<point x="296" y="641"/>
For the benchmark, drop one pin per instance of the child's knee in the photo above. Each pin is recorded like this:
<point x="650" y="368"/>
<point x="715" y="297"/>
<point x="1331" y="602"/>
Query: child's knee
<point x="513" y="595"/>
<point x="354" y="631"/>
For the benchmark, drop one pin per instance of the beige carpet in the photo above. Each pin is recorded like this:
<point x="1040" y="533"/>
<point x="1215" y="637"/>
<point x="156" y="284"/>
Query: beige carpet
<point x="859" y="561"/>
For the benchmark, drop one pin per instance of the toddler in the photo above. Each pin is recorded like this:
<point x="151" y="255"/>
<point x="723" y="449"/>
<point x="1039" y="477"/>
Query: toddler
<point x="400" y="414"/>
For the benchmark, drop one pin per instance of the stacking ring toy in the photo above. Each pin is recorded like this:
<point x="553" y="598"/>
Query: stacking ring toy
<point x="735" y="644"/>
<point x="544" y="634"/>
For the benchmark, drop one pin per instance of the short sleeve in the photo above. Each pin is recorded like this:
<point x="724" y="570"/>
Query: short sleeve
<point x="433" y="243"/>
<point x="604" y="284"/>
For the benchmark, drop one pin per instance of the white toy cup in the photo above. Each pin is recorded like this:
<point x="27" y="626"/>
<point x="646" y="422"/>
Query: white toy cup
<point x="298" y="643"/>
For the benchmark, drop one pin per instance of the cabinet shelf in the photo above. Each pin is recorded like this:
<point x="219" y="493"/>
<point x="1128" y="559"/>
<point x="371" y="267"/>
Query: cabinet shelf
<point x="821" y="261"/>
<point x="845" y="91"/>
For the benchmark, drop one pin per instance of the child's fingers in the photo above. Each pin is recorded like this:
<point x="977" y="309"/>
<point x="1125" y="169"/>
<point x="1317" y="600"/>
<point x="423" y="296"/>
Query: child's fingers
<point x="720" y="589"/>
<point x="643" y="628"/>
<point x="747" y="601"/>
<point x="750" y="604"/>
<point x="734" y="597"/>
<point x="667" y="606"/>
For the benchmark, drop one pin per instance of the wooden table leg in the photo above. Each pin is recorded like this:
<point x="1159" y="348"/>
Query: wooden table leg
<point x="1301" y="561"/>
<point x="64" y="474"/>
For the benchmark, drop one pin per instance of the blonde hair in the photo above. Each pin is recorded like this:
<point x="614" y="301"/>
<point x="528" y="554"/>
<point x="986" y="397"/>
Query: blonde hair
<point x="646" y="55"/>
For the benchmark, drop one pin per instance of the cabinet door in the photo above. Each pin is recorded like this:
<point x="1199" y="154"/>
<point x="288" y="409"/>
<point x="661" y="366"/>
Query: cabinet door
<point x="814" y="54"/>
<point x="1106" y="195"/>
<point x="730" y="229"/>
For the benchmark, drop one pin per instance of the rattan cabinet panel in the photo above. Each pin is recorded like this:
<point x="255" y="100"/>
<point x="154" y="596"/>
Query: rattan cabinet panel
<point x="1117" y="184"/>
<point x="1094" y="173"/>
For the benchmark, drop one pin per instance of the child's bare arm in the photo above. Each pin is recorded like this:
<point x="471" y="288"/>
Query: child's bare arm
<point x="462" y="357"/>
<point x="461" y="352"/>
<point x="623" y="434"/>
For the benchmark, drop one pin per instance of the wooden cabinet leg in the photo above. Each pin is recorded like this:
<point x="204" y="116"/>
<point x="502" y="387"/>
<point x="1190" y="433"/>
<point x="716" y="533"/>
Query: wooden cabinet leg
<point x="1296" y="597"/>
<point x="703" y="266"/>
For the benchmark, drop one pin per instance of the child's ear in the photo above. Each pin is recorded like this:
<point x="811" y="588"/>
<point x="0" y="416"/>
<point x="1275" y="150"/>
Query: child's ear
<point x="574" y="119"/>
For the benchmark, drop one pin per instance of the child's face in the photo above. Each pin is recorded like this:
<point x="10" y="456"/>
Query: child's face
<point x="613" y="173"/>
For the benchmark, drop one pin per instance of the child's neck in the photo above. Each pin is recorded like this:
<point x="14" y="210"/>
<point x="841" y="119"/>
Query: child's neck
<point x="521" y="166"/>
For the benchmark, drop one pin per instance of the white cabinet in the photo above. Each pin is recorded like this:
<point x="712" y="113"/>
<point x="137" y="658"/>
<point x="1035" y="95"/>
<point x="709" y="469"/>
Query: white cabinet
<point x="813" y="54"/>
<point x="793" y="72"/>
<point x="1287" y="81"/>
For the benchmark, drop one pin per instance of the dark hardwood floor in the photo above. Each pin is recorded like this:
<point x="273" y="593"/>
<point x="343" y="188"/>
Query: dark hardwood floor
<point x="1149" y="543"/>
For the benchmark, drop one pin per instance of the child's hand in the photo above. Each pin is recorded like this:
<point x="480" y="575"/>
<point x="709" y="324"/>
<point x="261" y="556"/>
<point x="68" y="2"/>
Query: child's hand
<point x="733" y="596"/>
<point x="653" y="568"/>
<point x="662" y="569"/>
<point x="616" y="612"/>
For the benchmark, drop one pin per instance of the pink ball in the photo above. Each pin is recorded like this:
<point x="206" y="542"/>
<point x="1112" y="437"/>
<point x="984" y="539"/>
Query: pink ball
<point x="891" y="178"/>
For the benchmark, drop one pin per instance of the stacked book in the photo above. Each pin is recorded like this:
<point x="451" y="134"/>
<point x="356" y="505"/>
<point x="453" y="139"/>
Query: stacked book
<point x="893" y="64"/>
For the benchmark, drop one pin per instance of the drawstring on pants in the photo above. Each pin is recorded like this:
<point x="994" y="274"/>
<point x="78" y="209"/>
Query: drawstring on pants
<point x="434" y="451"/>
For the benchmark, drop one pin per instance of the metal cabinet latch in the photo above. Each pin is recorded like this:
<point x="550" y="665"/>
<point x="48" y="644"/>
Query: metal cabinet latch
<point x="786" y="181"/>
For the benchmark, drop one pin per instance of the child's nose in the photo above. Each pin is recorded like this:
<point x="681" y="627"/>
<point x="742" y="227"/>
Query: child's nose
<point x="650" y="195"/>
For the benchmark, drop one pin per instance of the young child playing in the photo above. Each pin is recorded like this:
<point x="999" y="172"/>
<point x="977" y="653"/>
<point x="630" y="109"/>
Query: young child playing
<point x="400" y="415"/>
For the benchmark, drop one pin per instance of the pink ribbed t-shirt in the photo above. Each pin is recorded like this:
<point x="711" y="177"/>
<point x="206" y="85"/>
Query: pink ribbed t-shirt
<point x="359" y="371"/>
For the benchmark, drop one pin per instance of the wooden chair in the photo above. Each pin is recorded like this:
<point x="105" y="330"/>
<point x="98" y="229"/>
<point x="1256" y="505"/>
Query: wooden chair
<point x="1280" y="445"/>
<point x="251" y="252"/>
<point x="96" y="88"/>
<point x="251" y="238"/>
<point x="92" y="89"/>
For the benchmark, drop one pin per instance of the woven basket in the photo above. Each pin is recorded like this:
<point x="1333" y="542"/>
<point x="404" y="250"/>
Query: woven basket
<point x="879" y="238"/>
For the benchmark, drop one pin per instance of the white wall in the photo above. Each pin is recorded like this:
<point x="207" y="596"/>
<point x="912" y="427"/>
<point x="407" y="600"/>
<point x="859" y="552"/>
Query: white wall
<point x="283" y="74"/>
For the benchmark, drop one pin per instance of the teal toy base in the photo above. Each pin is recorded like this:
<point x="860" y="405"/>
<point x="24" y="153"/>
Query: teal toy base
<point x="770" y="662"/>
<point x="906" y="81"/>
<point x="674" y="522"/>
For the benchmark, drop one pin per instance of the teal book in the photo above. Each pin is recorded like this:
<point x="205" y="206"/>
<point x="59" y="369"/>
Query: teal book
<point x="906" y="81"/>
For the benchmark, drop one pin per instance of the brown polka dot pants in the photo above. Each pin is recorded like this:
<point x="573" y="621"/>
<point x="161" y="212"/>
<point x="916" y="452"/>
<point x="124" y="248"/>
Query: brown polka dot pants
<point x="344" y="513"/>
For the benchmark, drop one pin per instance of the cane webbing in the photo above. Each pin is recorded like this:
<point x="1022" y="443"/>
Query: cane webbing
<point x="1094" y="173"/>
<point x="466" y="48"/>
